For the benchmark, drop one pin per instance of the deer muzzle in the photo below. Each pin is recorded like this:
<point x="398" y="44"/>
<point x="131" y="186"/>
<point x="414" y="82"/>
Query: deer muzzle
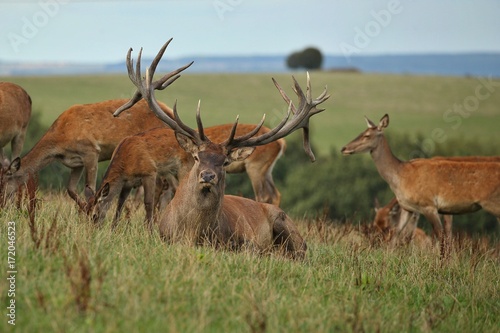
<point x="208" y="177"/>
<point x="346" y="151"/>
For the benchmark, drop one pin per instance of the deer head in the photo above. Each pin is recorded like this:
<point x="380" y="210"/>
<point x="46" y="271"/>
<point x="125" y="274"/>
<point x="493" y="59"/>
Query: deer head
<point x="368" y="139"/>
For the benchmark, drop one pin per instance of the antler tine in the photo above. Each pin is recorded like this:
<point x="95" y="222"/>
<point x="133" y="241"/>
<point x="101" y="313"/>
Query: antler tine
<point x="183" y="128"/>
<point x="130" y="67"/>
<point x="158" y="57"/>
<point x="199" y="123"/>
<point x="135" y="76"/>
<point x="300" y="119"/>
<point x="232" y="141"/>
<point x="138" y="72"/>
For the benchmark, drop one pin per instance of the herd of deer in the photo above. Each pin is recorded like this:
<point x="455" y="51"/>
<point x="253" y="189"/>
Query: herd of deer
<point x="150" y="146"/>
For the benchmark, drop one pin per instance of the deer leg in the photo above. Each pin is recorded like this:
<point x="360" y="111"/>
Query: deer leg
<point x="4" y="162"/>
<point x="17" y="145"/>
<point x="74" y="178"/>
<point x="263" y="186"/>
<point x="124" y="193"/>
<point x="149" y="184"/>
<point x="406" y="225"/>
<point x="287" y="236"/>
<point x="90" y="165"/>
<point x="433" y="218"/>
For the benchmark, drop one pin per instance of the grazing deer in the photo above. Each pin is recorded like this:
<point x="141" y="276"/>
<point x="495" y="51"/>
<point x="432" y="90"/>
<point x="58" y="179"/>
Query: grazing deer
<point x="79" y="138"/>
<point x="154" y="159"/>
<point x="395" y="223"/>
<point x="200" y="211"/>
<point x="15" y="114"/>
<point x="432" y="186"/>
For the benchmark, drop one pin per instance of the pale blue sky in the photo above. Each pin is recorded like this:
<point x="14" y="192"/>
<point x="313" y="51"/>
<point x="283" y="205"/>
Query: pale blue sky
<point x="102" y="31"/>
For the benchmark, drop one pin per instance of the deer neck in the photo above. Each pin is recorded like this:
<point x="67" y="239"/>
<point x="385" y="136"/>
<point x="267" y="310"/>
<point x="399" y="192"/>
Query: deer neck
<point x="41" y="155"/>
<point x="197" y="209"/>
<point x="386" y="163"/>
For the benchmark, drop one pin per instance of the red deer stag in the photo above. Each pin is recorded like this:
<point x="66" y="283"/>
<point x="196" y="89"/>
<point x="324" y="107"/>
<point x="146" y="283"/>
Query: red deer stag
<point x="15" y="114"/>
<point x="432" y="186"/>
<point x="200" y="211"/>
<point x="150" y="157"/>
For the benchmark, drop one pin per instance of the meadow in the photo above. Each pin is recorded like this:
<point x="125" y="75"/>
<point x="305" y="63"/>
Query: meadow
<point x="74" y="277"/>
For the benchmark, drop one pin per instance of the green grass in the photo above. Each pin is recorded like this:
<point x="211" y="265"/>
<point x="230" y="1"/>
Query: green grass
<point x="82" y="279"/>
<point x="416" y="104"/>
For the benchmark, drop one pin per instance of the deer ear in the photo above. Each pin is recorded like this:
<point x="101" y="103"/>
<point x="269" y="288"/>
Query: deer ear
<point x="14" y="165"/>
<point x="384" y="122"/>
<point x="241" y="153"/>
<point x="89" y="192"/>
<point x="105" y="190"/>
<point x="186" y="143"/>
<point x="370" y="123"/>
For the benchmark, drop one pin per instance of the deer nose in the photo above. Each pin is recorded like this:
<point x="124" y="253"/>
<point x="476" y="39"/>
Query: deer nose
<point x="207" y="176"/>
<point x="345" y="151"/>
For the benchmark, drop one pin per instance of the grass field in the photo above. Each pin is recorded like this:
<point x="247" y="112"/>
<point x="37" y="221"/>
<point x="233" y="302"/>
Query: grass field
<point x="416" y="104"/>
<point x="73" y="277"/>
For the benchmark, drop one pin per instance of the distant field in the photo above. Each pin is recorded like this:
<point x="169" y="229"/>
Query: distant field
<point x="416" y="104"/>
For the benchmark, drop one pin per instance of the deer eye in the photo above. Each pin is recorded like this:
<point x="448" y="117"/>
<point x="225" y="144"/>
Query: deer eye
<point x="226" y="163"/>
<point x="196" y="158"/>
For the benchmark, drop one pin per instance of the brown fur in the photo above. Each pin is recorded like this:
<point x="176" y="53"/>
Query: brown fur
<point x="144" y="157"/>
<point x="433" y="186"/>
<point x="15" y="114"/>
<point x="80" y="137"/>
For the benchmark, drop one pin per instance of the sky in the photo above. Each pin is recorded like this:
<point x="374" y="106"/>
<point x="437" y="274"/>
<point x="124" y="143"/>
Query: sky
<point x="95" y="31"/>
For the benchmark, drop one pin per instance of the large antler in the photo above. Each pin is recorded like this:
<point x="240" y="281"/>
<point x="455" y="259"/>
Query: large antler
<point x="146" y="87"/>
<point x="300" y="116"/>
<point x="300" y="119"/>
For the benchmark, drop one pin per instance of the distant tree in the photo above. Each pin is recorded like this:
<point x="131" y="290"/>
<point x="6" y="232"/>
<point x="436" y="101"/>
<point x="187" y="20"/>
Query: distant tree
<point x="309" y="58"/>
<point x="312" y="58"/>
<point x="293" y="60"/>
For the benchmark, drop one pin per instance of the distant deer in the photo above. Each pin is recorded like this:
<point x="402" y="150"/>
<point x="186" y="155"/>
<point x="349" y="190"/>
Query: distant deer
<point x="154" y="157"/>
<point x="15" y="114"/>
<point x="397" y="224"/>
<point x="432" y="186"/>
<point x="200" y="211"/>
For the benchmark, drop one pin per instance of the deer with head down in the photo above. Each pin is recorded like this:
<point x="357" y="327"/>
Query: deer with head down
<point x="15" y="114"/>
<point x="79" y="138"/>
<point x="199" y="211"/>
<point x="433" y="186"/>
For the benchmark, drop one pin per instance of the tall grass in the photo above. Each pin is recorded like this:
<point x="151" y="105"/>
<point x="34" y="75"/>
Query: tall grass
<point x="76" y="277"/>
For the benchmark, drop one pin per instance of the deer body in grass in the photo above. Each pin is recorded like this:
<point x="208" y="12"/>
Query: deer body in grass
<point x="200" y="211"/>
<point x="433" y="186"/>
<point x="399" y="225"/>
<point x="15" y="114"/>
<point x="154" y="159"/>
